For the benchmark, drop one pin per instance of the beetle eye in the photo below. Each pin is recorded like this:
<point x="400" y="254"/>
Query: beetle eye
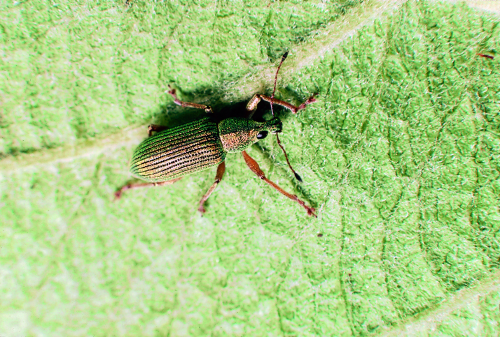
<point x="262" y="135"/>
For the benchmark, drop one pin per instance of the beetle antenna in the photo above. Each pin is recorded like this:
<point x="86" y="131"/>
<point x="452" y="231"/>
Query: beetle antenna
<point x="272" y="111"/>
<point x="287" y="161"/>
<point x="283" y="58"/>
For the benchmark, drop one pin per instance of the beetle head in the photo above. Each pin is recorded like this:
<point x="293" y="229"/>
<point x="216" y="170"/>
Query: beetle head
<point x="237" y="134"/>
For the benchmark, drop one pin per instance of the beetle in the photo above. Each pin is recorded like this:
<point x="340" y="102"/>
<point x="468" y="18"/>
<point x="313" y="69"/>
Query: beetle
<point x="167" y="156"/>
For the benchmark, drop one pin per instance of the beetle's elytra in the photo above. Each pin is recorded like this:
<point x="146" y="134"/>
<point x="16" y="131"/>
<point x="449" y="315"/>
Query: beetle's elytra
<point x="170" y="154"/>
<point x="195" y="146"/>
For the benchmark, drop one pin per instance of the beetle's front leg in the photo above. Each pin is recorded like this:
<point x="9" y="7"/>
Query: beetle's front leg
<point x="177" y="101"/>
<point x="218" y="177"/>
<point x="252" y="103"/>
<point x="119" y="193"/>
<point x="252" y="164"/>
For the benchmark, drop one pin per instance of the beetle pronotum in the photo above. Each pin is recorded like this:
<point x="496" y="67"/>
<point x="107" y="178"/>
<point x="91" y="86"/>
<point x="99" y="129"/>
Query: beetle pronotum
<point x="170" y="154"/>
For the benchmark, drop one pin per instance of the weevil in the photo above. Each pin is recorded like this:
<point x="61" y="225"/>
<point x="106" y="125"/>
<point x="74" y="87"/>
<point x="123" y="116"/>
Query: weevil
<point x="169" y="154"/>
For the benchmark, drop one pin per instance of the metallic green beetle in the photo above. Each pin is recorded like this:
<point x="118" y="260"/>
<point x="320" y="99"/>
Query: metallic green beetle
<point x="170" y="154"/>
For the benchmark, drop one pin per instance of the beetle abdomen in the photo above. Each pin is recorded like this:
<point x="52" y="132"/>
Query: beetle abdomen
<point x="178" y="151"/>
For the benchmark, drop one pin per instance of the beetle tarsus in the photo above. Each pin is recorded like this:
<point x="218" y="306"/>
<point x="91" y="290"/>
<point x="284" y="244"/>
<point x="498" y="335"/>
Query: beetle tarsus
<point x="202" y="210"/>
<point x="119" y="193"/>
<point x="311" y="211"/>
<point x="310" y="100"/>
<point x="177" y="101"/>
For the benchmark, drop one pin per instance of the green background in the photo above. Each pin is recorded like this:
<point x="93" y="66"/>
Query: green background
<point x="400" y="156"/>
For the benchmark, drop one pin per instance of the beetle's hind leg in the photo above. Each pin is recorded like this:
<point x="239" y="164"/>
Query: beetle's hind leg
<point x="252" y="103"/>
<point x="119" y="193"/>
<point x="218" y="177"/>
<point x="252" y="164"/>
<point x="177" y="101"/>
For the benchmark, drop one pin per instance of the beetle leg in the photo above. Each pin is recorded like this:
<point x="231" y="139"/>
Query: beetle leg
<point x="118" y="193"/>
<point x="252" y="103"/>
<point x="177" y="101"/>
<point x="218" y="177"/>
<point x="252" y="164"/>
<point x="155" y="128"/>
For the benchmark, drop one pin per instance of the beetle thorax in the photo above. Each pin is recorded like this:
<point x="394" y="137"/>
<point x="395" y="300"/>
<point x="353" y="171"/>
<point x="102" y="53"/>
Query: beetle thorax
<point x="237" y="134"/>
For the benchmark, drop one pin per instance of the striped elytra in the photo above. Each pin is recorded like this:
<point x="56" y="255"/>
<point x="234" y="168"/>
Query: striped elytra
<point x="175" y="152"/>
